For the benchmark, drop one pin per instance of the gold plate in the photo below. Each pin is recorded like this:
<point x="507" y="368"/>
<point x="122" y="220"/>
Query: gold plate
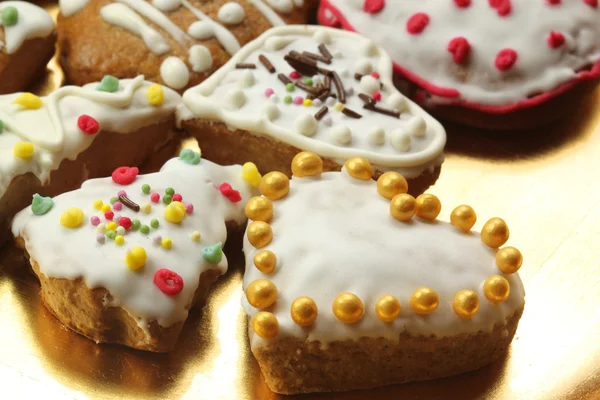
<point x="545" y="184"/>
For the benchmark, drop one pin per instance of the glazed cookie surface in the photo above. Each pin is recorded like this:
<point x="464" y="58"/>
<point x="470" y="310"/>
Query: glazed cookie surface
<point x="321" y="90"/>
<point x="493" y="56"/>
<point x="174" y="42"/>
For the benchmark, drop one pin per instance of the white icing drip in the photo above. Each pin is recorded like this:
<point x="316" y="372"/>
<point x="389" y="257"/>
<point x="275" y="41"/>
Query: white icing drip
<point x="73" y="253"/>
<point x="167" y="5"/>
<point x="335" y="234"/>
<point x="33" y="22"/>
<point x="53" y="128"/>
<point x="200" y="58"/>
<point x="294" y="128"/>
<point x="283" y="6"/>
<point x="123" y="16"/>
<point x="539" y="68"/>
<point x="231" y="13"/>
<point x="174" y="73"/>
<point x="71" y="7"/>
<point x="271" y="16"/>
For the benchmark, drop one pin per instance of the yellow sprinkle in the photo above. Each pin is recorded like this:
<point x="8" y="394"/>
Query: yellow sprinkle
<point x="196" y="236"/>
<point x="338" y="106"/>
<point x="72" y="218"/>
<point x="112" y="226"/>
<point x="119" y="240"/>
<point x="98" y="204"/>
<point x="166" y="243"/>
<point x="106" y="207"/>
<point x="307" y="102"/>
<point x="29" y="101"/>
<point x="146" y="208"/>
<point x="250" y="174"/>
<point x="23" y="150"/>
<point x="136" y="258"/>
<point x="155" y="95"/>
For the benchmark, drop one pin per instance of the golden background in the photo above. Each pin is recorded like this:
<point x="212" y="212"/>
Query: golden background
<point x="545" y="184"/>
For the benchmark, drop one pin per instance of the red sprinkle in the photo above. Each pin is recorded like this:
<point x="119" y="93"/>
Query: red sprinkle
<point x="417" y="23"/>
<point x="460" y="49"/>
<point x="109" y="215"/>
<point x="553" y="2"/>
<point x="168" y="282"/>
<point x="377" y="96"/>
<point x="375" y="75"/>
<point x="591" y="3"/>
<point x="373" y="6"/>
<point x="462" y="3"/>
<point x="125" y="175"/>
<point x="155" y="197"/>
<point x="88" y="124"/>
<point x="505" y="59"/>
<point x="125" y="223"/>
<point x="177" y="197"/>
<point x="295" y="75"/>
<point x="503" y="7"/>
<point x="555" y="39"/>
<point x="231" y="194"/>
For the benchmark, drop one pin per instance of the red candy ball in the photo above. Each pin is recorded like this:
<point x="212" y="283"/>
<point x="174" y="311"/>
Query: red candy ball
<point x="125" y="223"/>
<point x="155" y="197"/>
<point x="231" y="194"/>
<point x="295" y="75"/>
<point x="177" y="197"/>
<point x="417" y="23"/>
<point x="168" y="282"/>
<point x="125" y="175"/>
<point x="591" y="3"/>
<point x="553" y="2"/>
<point x="462" y="3"/>
<point x="377" y="96"/>
<point x="460" y="49"/>
<point x="373" y="6"/>
<point x="109" y="215"/>
<point x="375" y="75"/>
<point x="88" y="125"/>
<point x="505" y="59"/>
<point x="503" y="7"/>
<point x="555" y="39"/>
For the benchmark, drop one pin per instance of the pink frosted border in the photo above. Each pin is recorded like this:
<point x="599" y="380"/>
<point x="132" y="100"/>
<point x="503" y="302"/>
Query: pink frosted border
<point x="339" y="20"/>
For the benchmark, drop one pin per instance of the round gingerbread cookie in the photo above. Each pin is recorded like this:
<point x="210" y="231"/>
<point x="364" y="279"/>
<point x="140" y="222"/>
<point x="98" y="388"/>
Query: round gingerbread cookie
<point x="177" y="43"/>
<point x="495" y="64"/>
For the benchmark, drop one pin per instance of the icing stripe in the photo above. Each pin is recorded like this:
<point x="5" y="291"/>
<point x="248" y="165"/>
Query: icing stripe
<point x="267" y="12"/>
<point x="283" y="6"/>
<point x="71" y="7"/>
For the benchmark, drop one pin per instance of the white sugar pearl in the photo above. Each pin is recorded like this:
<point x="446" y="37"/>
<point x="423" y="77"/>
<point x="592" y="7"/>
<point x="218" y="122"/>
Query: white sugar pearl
<point x="174" y="73"/>
<point x="200" y="58"/>
<point x="317" y="103"/>
<point x="327" y="121"/>
<point x="101" y="228"/>
<point x="276" y="43"/>
<point x="368" y="48"/>
<point x="369" y="84"/>
<point x="271" y="111"/>
<point x="396" y="101"/>
<point x="322" y="36"/>
<point x="231" y="13"/>
<point x="121" y="231"/>
<point x="307" y="125"/>
<point x="330" y="101"/>
<point x="363" y="66"/>
<point x="201" y="30"/>
<point x="274" y="98"/>
<point x="235" y="99"/>
<point x="416" y="126"/>
<point x="157" y="240"/>
<point x="341" y="134"/>
<point x="401" y="140"/>
<point x="376" y="136"/>
<point x="247" y="79"/>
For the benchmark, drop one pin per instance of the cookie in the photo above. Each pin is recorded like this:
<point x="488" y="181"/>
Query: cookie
<point x="177" y="43"/>
<point x="353" y="284"/>
<point x="52" y="144"/>
<point x="498" y="65"/>
<point x="318" y="89"/>
<point x="123" y="259"/>
<point x="27" y="38"/>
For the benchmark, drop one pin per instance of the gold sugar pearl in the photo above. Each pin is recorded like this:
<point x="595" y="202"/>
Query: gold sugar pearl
<point x="495" y="232"/>
<point x="265" y="325"/>
<point x="259" y="234"/>
<point x="274" y="185"/>
<point x="265" y="261"/>
<point x="261" y="293"/>
<point x="348" y="308"/>
<point x="466" y="304"/>
<point x="428" y="207"/>
<point x="359" y="168"/>
<point x="307" y="163"/>
<point x="496" y="289"/>
<point x="387" y="308"/>
<point x="304" y="311"/>
<point x="390" y="184"/>
<point x="424" y="301"/>
<point x="403" y="207"/>
<point x="259" y="208"/>
<point x="509" y="260"/>
<point x="463" y="217"/>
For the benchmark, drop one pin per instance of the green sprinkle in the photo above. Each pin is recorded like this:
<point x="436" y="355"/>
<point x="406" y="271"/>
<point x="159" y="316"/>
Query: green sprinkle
<point x="189" y="156"/>
<point x="167" y="199"/>
<point x="154" y="223"/>
<point x="135" y="225"/>
<point x="308" y="81"/>
<point x="108" y="84"/>
<point x="289" y="87"/>
<point x="146" y="188"/>
<point x="170" y="191"/>
<point x="113" y="200"/>
<point x="213" y="254"/>
<point x="41" y="205"/>
<point x="287" y="99"/>
<point x="111" y="235"/>
<point x="1" y="126"/>
<point x="10" y="16"/>
<point x="145" y="229"/>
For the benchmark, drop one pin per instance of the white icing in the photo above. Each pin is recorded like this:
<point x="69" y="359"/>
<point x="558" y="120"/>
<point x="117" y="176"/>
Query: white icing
<point x="539" y="68"/>
<point x="222" y="34"/>
<point x="123" y="16"/>
<point x="174" y="73"/>
<point x="294" y="127"/>
<point x="322" y="37"/>
<point x="72" y="253"/>
<point x="201" y="30"/>
<point x="200" y="58"/>
<point x="71" y="7"/>
<point x="283" y="6"/>
<point x="231" y="13"/>
<point x="271" y="16"/>
<point x="335" y="234"/>
<point x="167" y="5"/>
<point x="53" y="130"/>
<point x="33" y="22"/>
<point x="369" y="85"/>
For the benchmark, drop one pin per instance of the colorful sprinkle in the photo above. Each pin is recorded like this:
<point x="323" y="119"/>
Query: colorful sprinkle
<point x="177" y="197"/>
<point x="29" y="101"/>
<point x="105" y="208"/>
<point x="154" y="223"/>
<point x="295" y="75"/>
<point x="118" y="206"/>
<point x="375" y="75"/>
<point x="121" y="193"/>
<point x="1" y="126"/>
<point x="338" y="106"/>
<point x="101" y="239"/>
<point x="317" y="103"/>
<point x="155" y="198"/>
<point x="460" y="49"/>
<point x="111" y="234"/>
<point x="167" y="199"/>
<point x="146" y="188"/>
<point x="195" y="236"/>
<point x="135" y="225"/>
<point x="109" y="215"/>
<point x="101" y="228"/>
<point x="108" y="84"/>
<point x="417" y="23"/>
<point x="119" y="240"/>
<point x="170" y="191"/>
<point x="298" y="100"/>
<point x="155" y="95"/>
<point x="269" y="92"/>
<point x="213" y="254"/>
<point x="307" y="102"/>
<point x="145" y="229"/>
<point x="146" y="208"/>
<point x="168" y="282"/>
<point x="157" y="240"/>
<point x="23" y="150"/>
<point x="88" y="125"/>
<point x="41" y="205"/>
<point x="111" y="226"/>
<point x="121" y="231"/>
<point x="190" y="157"/>
<point x="250" y="174"/>
<point x="373" y="6"/>
<point x="505" y="59"/>
<point x="72" y="218"/>
<point x="290" y="87"/>
<point x="274" y="98"/>
<point x="125" y="175"/>
<point x="377" y="96"/>
<point x="166" y="243"/>
<point x="189" y="208"/>
<point x="174" y="213"/>
<point x="95" y="220"/>
<point x="126" y="223"/>
<point x="136" y="258"/>
<point x="287" y="100"/>
<point x="10" y="16"/>
<point x="330" y="101"/>
<point x="98" y="204"/>
<point x="232" y="195"/>
<point x="307" y="81"/>
<point x="117" y="218"/>
<point x="113" y="200"/>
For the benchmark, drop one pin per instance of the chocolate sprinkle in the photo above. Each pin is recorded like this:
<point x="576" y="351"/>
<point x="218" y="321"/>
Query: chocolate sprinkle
<point x="366" y="98"/>
<point x="380" y="110"/>
<point x="323" y="49"/>
<point x="245" y="66"/>
<point x="306" y="88"/>
<point x="339" y="86"/>
<point x="321" y="113"/>
<point x="358" y="76"/>
<point x="284" y="79"/>
<point x="265" y="61"/>
<point x="323" y="96"/>
<point x="127" y="202"/>
<point x="351" y="113"/>
<point x="316" y="57"/>
<point x="304" y="65"/>
<point x="327" y="82"/>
